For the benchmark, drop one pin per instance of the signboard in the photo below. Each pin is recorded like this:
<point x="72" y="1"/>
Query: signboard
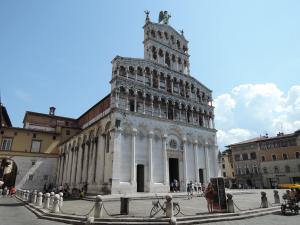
<point x="219" y="200"/>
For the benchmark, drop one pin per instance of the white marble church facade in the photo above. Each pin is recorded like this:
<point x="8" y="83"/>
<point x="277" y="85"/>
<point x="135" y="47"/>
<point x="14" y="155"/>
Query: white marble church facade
<point x="156" y="125"/>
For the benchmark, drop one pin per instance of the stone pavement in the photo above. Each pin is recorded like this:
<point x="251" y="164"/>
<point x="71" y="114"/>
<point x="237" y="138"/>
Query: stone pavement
<point x="244" y="199"/>
<point x="13" y="212"/>
<point x="273" y="219"/>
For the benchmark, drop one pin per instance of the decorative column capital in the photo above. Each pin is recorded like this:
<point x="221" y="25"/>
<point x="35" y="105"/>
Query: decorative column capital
<point x="195" y="142"/>
<point x="134" y="131"/>
<point x="151" y="133"/>
<point x="165" y="136"/>
<point x="184" y="139"/>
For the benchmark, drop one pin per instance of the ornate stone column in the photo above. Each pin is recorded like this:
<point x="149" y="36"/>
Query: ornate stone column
<point x="165" y="159"/>
<point x="184" y="140"/>
<point x="173" y="110"/>
<point x="58" y="169"/>
<point x="152" y="99"/>
<point x="71" y="165"/>
<point x="196" y="160"/>
<point x="84" y="159"/>
<point x="61" y="172"/>
<point x="135" y="101"/>
<point x="167" y="109"/>
<point x="144" y="103"/>
<point x="127" y="98"/>
<point x="76" y="165"/>
<point x="151" y="79"/>
<point x="206" y="162"/>
<point x="159" y="106"/>
<point x="95" y="159"/>
<point x="66" y="168"/>
<point x="150" y="157"/>
<point x="180" y="108"/>
<point x="117" y="96"/>
<point x="91" y="161"/>
<point x="133" y="166"/>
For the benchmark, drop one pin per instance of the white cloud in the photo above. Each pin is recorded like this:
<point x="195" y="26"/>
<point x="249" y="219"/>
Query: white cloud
<point x="252" y="109"/>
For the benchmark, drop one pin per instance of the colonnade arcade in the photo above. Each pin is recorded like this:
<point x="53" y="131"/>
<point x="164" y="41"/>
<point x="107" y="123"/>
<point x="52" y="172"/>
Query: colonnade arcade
<point x="138" y="101"/>
<point x="77" y="162"/>
<point x="172" y="84"/>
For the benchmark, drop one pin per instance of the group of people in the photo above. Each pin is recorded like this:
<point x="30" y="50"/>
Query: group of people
<point x="293" y="195"/>
<point x="7" y="187"/>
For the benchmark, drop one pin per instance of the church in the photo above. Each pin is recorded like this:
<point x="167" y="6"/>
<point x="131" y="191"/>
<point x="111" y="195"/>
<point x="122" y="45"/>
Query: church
<point x="155" y="125"/>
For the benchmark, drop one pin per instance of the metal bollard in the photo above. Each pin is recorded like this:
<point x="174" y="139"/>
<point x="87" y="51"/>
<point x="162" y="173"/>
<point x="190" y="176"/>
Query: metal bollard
<point x="169" y="206"/>
<point x="51" y="198"/>
<point x="46" y="201"/>
<point x="264" y="200"/>
<point x="61" y="199"/>
<point x="276" y="197"/>
<point x="39" y="201"/>
<point x="34" y="197"/>
<point x="98" y="207"/>
<point x="55" y="206"/>
<point x="230" y="205"/>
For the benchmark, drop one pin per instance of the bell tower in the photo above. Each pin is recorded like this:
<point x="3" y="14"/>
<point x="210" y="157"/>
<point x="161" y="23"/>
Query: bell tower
<point x="164" y="45"/>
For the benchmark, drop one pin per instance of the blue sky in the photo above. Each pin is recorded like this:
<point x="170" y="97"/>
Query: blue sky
<point x="59" y="52"/>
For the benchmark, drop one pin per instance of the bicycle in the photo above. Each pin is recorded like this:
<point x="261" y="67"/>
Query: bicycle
<point x="157" y="207"/>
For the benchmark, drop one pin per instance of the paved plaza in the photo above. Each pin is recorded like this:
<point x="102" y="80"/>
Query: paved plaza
<point x="244" y="200"/>
<point x="13" y="211"/>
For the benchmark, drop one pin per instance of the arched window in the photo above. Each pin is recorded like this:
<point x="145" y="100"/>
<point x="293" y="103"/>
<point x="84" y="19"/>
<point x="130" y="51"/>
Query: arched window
<point x="276" y="170"/>
<point x="178" y="44"/>
<point x="285" y="157"/>
<point x="159" y="34"/>
<point x="153" y="33"/>
<point x="297" y="155"/>
<point x="265" y="170"/>
<point x="274" y="158"/>
<point x="166" y="36"/>
<point x="287" y="169"/>
<point x="122" y="71"/>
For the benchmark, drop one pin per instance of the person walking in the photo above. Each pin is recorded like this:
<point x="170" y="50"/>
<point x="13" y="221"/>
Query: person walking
<point x="209" y="195"/>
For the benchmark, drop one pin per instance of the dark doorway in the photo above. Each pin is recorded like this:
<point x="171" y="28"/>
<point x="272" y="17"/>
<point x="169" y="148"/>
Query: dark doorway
<point x="201" y="177"/>
<point x="140" y="178"/>
<point x="9" y="179"/>
<point x="173" y="170"/>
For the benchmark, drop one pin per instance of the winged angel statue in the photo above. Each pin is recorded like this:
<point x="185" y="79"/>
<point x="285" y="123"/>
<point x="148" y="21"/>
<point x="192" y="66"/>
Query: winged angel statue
<point x="164" y="17"/>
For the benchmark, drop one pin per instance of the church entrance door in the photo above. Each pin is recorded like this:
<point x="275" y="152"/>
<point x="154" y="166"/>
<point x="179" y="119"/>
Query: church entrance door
<point x="201" y="177"/>
<point x="174" y="170"/>
<point x="140" y="178"/>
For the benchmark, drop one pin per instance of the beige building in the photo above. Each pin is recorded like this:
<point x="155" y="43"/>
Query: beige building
<point x="246" y="163"/>
<point x="267" y="161"/>
<point x="32" y="150"/>
<point x="226" y="168"/>
<point x="280" y="159"/>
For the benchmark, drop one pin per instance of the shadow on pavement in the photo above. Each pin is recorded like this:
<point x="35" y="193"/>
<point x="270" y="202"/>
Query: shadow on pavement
<point x="12" y="204"/>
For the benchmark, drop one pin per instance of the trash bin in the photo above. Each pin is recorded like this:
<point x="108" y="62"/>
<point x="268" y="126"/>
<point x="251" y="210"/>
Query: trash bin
<point x="124" y="206"/>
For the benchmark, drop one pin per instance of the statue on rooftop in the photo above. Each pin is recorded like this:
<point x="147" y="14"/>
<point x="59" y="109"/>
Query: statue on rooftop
<point x="147" y="12"/>
<point x="164" y="17"/>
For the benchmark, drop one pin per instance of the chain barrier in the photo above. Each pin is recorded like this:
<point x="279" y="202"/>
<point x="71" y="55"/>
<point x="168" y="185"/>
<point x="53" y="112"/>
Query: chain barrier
<point x="73" y="213"/>
<point x="239" y="208"/>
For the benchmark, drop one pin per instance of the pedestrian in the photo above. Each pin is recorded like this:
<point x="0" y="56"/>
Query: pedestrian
<point x="209" y="195"/>
<point x="176" y="185"/>
<point x="190" y="190"/>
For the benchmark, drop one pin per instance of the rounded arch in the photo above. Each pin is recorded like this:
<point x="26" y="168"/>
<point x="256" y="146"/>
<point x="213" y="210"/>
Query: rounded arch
<point x="8" y="172"/>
